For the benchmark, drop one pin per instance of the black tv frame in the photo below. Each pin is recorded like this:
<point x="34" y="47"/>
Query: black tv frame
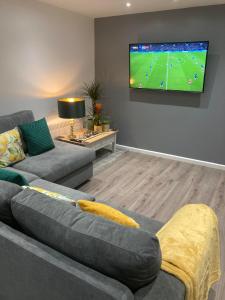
<point x="163" y="90"/>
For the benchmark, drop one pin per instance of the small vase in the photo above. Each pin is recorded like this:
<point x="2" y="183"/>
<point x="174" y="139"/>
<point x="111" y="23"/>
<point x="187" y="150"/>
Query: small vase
<point x="98" y="128"/>
<point x="105" y="127"/>
<point x="90" y="124"/>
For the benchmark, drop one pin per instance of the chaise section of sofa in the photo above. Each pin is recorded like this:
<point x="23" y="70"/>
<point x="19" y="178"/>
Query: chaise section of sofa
<point x="58" y="163"/>
<point x="66" y="164"/>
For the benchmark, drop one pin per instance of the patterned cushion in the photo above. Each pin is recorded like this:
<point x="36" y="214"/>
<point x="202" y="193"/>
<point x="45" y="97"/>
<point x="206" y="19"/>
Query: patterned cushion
<point x="37" y="137"/>
<point x="11" y="150"/>
<point x="50" y="194"/>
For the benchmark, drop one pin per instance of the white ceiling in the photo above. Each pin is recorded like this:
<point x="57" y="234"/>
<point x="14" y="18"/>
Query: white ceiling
<point x="105" y="8"/>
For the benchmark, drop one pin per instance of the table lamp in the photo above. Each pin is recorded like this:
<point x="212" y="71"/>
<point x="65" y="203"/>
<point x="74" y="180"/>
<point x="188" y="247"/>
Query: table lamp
<point x="71" y="108"/>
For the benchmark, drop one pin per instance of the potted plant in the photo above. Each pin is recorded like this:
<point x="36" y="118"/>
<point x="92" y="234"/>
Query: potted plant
<point x="93" y="91"/>
<point x="105" y="123"/>
<point x="97" y="123"/>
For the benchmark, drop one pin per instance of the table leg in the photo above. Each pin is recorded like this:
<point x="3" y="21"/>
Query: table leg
<point x="114" y="144"/>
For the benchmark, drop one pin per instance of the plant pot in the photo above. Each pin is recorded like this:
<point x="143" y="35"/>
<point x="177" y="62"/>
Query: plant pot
<point x="98" y="128"/>
<point x="105" y="127"/>
<point x="90" y="124"/>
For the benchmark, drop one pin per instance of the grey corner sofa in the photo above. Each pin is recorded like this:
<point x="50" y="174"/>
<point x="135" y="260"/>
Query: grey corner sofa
<point x="33" y="270"/>
<point x="66" y="164"/>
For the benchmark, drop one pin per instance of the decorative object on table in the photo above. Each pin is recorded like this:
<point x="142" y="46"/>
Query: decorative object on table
<point x="71" y="108"/>
<point x="94" y="140"/>
<point x="97" y="123"/>
<point x="105" y="123"/>
<point x="93" y="90"/>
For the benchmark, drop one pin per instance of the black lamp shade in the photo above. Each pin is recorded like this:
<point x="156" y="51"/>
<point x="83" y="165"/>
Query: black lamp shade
<point x="71" y="108"/>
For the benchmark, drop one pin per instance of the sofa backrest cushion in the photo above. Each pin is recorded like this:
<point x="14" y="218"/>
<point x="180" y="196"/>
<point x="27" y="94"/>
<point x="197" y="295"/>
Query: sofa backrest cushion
<point x="132" y="256"/>
<point x="7" y="192"/>
<point x="9" y="122"/>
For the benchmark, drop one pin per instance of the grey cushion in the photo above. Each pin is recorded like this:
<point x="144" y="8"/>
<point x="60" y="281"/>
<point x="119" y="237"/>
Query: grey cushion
<point x="147" y="224"/>
<point x="165" y="286"/>
<point x="29" y="177"/>
<point x="129" y="255"/>
<point x="58" y="162"/>
<point x="7" y="191"/>
<point x="31" y="270"/>
<point x="9" y="122"/>
<point x="78" y="177"/>
<point x="53" y="187"/>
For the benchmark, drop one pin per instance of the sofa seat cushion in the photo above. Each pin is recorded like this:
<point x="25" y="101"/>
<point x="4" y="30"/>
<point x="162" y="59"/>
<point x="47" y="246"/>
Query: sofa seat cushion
<point x="58" y="162"/>
<point x="56" y="188"/>
<point x="7" y="191"/>
<point x="131" y="256"/>
<point x="28" y="176"/>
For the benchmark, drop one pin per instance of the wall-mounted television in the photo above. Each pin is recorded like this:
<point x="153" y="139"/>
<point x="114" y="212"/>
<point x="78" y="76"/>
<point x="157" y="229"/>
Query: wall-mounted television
<point x="178" y="66"/>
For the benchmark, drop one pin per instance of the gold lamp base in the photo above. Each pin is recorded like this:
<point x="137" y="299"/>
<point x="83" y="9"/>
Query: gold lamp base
<point x="72" y="135"/>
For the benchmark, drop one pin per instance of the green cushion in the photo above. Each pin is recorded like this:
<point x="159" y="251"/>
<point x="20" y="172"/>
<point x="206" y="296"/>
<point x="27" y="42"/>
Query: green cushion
<point x="13" y="177"/>
<point x="37" y="137"/>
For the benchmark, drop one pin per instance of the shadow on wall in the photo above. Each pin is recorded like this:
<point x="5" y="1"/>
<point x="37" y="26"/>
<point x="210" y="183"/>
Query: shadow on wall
<point x="173" y="98"/>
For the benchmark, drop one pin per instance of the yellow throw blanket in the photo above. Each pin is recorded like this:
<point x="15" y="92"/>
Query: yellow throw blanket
<point x="191" y="249"/>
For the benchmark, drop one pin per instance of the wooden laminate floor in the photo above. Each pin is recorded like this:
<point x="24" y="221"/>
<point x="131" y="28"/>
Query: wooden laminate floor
<point x="157" y="187"/>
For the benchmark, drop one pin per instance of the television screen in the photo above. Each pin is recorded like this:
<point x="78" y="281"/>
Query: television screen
<point x="168" y="66"/>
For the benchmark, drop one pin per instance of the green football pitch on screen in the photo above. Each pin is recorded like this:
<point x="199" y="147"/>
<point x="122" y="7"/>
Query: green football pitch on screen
<point x="169" y="70"/>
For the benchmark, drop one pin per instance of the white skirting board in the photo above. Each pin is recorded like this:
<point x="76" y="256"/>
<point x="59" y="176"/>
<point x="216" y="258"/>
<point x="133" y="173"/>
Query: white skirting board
<point x="173" y="157"/>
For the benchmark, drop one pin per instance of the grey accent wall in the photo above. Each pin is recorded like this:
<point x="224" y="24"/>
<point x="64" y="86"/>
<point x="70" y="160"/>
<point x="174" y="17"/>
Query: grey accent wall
<point x="45" y="53"/>
<point x="189" y="125"/>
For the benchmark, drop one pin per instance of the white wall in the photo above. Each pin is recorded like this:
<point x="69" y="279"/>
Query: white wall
<point x="46" y="52"/>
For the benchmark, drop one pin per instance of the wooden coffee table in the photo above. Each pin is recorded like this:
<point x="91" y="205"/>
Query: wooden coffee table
<point x="95" y="142"/>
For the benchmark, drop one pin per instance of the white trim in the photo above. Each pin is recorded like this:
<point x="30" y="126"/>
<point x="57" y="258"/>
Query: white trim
<point x="173" y="157"/>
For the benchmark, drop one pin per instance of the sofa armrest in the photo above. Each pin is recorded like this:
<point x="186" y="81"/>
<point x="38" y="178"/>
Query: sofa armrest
<point x="31" y="270"/>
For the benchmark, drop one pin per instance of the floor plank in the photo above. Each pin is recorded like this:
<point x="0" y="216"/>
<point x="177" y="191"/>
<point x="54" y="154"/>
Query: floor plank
<point x="157" y="187"/>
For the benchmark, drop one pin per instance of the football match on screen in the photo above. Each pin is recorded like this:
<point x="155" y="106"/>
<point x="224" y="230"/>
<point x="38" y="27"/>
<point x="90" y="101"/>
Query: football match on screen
<point x="168" y="66"/>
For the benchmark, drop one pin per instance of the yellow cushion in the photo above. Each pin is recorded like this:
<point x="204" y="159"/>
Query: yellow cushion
<point x="11" y="150"/>
<point x="51" y="194"/>
<point x="108" y="213"/>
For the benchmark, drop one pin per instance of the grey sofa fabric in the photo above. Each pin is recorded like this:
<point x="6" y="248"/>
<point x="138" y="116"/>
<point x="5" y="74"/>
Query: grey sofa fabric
<point x="57" y="163"/>
<point x="7" y="192"/>
<point x="67" y="164"/>
<point x="78" y="177"/>
<point x="147" y="224"/>
<point x="9" y="122"/>
<point x="165" y="287"/>
<point x="53" y="187"/>
<point x="29" y="176"/>
<point x="129" y="255"/>
<point x="31" y="270"/>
